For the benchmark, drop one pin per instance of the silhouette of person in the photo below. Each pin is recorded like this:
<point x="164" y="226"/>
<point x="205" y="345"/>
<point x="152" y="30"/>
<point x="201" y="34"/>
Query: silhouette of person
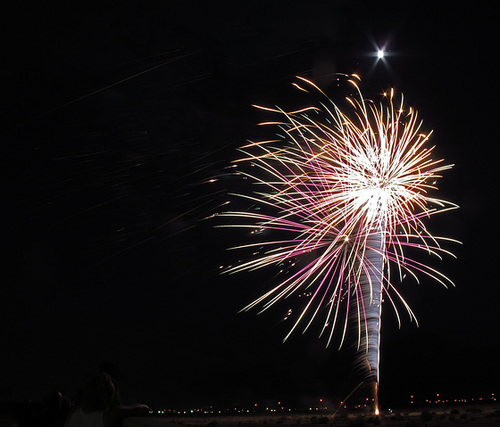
<point x="107" y="367"/>
<point x="98" y="408"/>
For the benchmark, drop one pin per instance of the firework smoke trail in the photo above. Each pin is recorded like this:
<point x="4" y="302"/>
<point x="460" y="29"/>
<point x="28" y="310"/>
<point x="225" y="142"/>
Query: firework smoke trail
<point x="346" y="190"/>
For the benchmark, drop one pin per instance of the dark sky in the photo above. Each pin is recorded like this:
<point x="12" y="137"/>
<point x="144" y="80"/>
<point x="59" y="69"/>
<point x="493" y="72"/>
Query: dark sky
<point x="114" y="119"/>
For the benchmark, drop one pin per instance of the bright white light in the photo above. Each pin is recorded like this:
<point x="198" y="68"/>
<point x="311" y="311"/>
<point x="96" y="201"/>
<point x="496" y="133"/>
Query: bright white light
<point x="380" y="54"/>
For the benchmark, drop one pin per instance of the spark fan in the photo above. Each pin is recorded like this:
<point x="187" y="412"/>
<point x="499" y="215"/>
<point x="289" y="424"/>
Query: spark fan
<point x="346" y="189"/>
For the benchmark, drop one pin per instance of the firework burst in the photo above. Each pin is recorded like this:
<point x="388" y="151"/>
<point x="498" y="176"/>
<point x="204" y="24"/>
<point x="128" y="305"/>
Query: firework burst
<point x="351" y="186"/>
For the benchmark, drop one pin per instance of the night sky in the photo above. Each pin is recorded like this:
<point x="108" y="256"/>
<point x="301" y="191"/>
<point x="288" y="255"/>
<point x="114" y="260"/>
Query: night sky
<point x="114" y="120"/>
